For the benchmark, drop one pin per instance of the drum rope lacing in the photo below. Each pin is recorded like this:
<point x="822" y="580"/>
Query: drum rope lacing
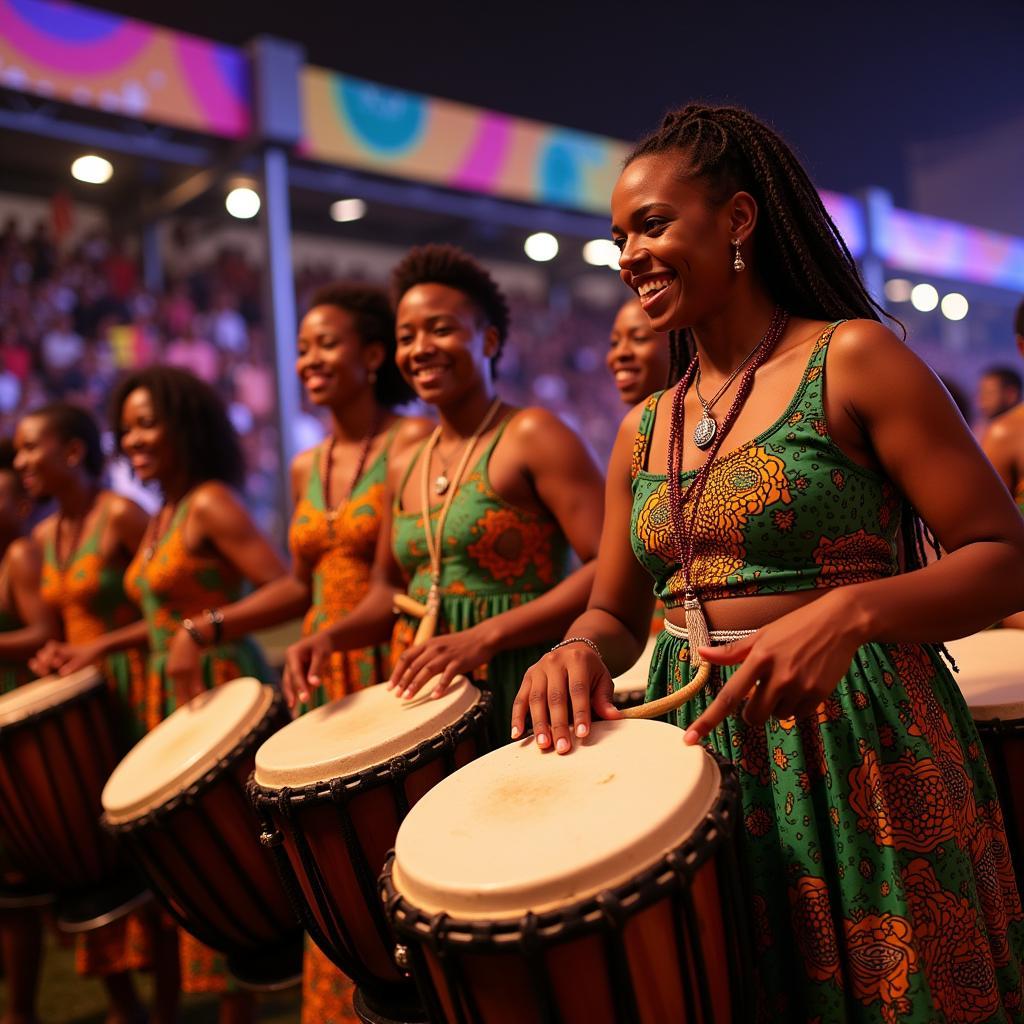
<point x="671" y="701"/>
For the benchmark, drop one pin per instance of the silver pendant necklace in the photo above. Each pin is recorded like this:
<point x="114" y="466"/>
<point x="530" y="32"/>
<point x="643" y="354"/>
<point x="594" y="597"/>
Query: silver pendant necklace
<point x="704" y="432"/>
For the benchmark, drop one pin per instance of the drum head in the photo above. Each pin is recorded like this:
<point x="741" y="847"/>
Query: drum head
<point x="359" y="731"/>
<point x="43" y="694"/>
<point x="518" y="830"/>
<point x="634" y="679"/>
<point x="991" y="675"/>
<point x="184" y="747"/>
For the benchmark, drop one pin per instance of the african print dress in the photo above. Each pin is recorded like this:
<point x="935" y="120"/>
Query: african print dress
<point x="880" y="883"/>
<point x="88" y="592"/>
<point x="12" y="673"/>
<point x="341" y="550"/>
<point x="171" y="584"/>
<point x="495" y="557"/>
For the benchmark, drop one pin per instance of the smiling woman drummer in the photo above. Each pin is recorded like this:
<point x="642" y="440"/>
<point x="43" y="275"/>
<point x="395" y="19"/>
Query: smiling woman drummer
<point x="771" y="495"/>
<point x="482" y="515"/>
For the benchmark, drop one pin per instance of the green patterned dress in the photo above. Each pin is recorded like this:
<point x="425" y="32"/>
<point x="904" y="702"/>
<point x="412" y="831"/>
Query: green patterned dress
<point x="495" y="557"/>
<point x="880" y="883"/>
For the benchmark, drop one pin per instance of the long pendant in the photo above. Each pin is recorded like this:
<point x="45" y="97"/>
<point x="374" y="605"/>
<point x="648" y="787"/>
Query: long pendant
<point x="704" y="432"/>
<point x="441" y="484"/>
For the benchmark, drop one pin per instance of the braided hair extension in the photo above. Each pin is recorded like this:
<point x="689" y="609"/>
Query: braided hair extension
<point x="805" y="264"/>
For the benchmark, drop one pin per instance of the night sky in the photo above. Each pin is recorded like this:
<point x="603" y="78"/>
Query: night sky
<point x="847" y="84"/>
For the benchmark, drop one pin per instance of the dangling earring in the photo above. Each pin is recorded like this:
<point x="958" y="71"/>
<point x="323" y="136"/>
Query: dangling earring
<point x="737" y="262"/>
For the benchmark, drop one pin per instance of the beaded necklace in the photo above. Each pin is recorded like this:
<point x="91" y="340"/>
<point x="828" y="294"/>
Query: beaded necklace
<point x="683" y="527"/>
<point x="332" y="511"/>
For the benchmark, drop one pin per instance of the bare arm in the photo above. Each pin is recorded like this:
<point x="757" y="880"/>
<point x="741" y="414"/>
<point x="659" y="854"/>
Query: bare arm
<point x="24" y="567"/>
<point x="998" y="444"/>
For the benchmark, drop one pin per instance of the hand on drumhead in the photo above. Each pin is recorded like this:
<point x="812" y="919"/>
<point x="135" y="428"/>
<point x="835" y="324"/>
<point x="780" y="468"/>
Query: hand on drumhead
<point x="447" y="656"/>
<point x="570" y="679"/>
<point x="304" y="662"/>
<point x="184" y="667"/>
<point x="49" y="658"/>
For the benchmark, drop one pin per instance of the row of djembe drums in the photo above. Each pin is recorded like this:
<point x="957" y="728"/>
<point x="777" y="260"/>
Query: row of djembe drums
<point x="454" y="884"/>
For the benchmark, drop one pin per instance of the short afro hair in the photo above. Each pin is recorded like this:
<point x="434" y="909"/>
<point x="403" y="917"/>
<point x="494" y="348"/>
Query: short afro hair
<point x="450" y="266"/>
<point x="196" y="420"/>
<point x="375" y="324"/>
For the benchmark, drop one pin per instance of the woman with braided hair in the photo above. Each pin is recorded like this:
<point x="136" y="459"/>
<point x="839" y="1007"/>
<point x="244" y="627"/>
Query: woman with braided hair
<point x="771" y="494"/>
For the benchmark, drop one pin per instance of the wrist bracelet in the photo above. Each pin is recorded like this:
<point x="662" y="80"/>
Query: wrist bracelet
<point x="193" y="631"/>
<point x="215" y="617"/>
<point x="579" y="640"/>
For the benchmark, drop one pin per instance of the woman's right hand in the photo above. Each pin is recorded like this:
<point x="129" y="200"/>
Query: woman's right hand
<point x="303" y="663"/>
<point x="62" y="658"/>
<point x="571" y="678"/>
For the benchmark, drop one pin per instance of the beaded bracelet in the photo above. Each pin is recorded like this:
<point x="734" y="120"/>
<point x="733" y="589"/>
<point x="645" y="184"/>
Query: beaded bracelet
<point x="193" y="631"/>
<point x="578" y="640"/>
<point x="215" y="617"/>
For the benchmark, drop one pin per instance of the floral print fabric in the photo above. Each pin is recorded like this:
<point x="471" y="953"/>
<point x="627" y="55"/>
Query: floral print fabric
<point x="787" y="492"/>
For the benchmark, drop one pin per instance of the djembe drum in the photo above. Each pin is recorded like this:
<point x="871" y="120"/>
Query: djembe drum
<point x="178" y="804"/>
<point x="59" y="741"/>
<point x="599" y="888"/>
<point x="991" y="678"/>
<point x="332" y="790"/>
<point x="631" y="687"/>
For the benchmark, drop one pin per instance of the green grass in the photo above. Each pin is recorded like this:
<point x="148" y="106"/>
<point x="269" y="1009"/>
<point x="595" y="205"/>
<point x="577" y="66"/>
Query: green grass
<point x="67" y="998"/>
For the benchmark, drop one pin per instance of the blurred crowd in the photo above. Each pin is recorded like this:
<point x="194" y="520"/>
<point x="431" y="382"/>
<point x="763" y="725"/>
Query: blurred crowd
<point x="72" y="319"/>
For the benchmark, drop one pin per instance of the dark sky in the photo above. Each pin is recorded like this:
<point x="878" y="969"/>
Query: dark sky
<point x="848" y="84"/>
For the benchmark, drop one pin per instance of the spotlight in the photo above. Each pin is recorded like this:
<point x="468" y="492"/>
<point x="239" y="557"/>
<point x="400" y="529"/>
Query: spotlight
<point x="601" y="252"/>
<point x="898" y="289"/>
<point x="924" y="298"/>
<point x="541" y="247"/>
<point x="954" y="306"/>
<point x="242" y="203"/>
<point x="348" y="209"/>
<point x="92" y="169"/>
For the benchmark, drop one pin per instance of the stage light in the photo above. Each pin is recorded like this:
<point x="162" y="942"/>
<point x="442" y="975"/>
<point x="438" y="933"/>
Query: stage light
<point x="898" y="289"/>
<point x="601" y="252"/>
<point x="924" y="298"/>
<point x="242" y="203"/>
<point x="541" y="247"/>
<point x="348" y="209"/>
<point x="92" y="169"/>
<point x="954" y="306"/>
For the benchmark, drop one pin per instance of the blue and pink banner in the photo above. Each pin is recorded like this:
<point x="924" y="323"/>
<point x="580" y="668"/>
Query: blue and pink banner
<point x="123" y="66"/>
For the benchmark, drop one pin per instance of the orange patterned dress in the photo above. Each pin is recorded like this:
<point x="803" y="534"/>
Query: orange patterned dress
<point x="340" y="549"/>
<point x="88" y="592"/>
<point x="171" y="584"/>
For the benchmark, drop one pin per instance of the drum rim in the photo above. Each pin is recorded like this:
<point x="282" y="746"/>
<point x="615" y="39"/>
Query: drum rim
<point x="580" y="917"/>
<point x="340" y="788"/>
<point x="153" y="809"/>
<point x="35" y="714"/>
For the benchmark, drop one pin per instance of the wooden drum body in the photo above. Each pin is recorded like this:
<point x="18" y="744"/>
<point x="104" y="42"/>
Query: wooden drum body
<point x="991" y="678"/>
<point x="59" y="742"/>
<point x="178" y="803"/>
<point x="598" y="888"/>
<point x="332" y="790"/>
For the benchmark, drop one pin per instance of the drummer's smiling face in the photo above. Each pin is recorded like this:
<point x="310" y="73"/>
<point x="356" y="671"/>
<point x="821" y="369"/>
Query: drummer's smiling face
<point x="332" y="360"/>
<point x="42" y="459"/>
<point x="674" y="240"/>
<point x="444" y="344"/>
<point x="145" y="442"/>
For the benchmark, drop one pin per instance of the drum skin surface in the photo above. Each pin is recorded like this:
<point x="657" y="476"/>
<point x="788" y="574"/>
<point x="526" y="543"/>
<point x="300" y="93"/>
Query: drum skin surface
<point x="332" y="790"/>
<point x="580" y="889"/>
<point x="178" y="804"/>
<point x="991" y="678"/>
<point x="59" y="743"/>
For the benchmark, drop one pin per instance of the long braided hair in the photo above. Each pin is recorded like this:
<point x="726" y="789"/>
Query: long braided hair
<point x="804" y="262"/>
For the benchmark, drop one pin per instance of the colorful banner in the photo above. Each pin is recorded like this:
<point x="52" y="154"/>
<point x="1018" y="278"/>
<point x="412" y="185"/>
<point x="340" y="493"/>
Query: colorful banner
<point x="123" y="66"/>
<point x="407" y="135"/>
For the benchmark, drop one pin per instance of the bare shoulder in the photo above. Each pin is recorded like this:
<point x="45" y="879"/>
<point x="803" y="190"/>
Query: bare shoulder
<point x="410" y="431"/>
<point x="123" y="510"/>
<point x="1006" y="429"/>
<point x="870" y="363"/>
<point x="533" y="424"/>
<point x="45" y="530"/>
<point x="213" y="499"/>
<point x="23" y="556"/>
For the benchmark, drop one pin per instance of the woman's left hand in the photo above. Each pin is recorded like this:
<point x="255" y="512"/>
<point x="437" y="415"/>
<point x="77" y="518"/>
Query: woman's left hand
<point x="448" y="655"/>
<point x="183" y="667"/>
<point x="787" y="668"/>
